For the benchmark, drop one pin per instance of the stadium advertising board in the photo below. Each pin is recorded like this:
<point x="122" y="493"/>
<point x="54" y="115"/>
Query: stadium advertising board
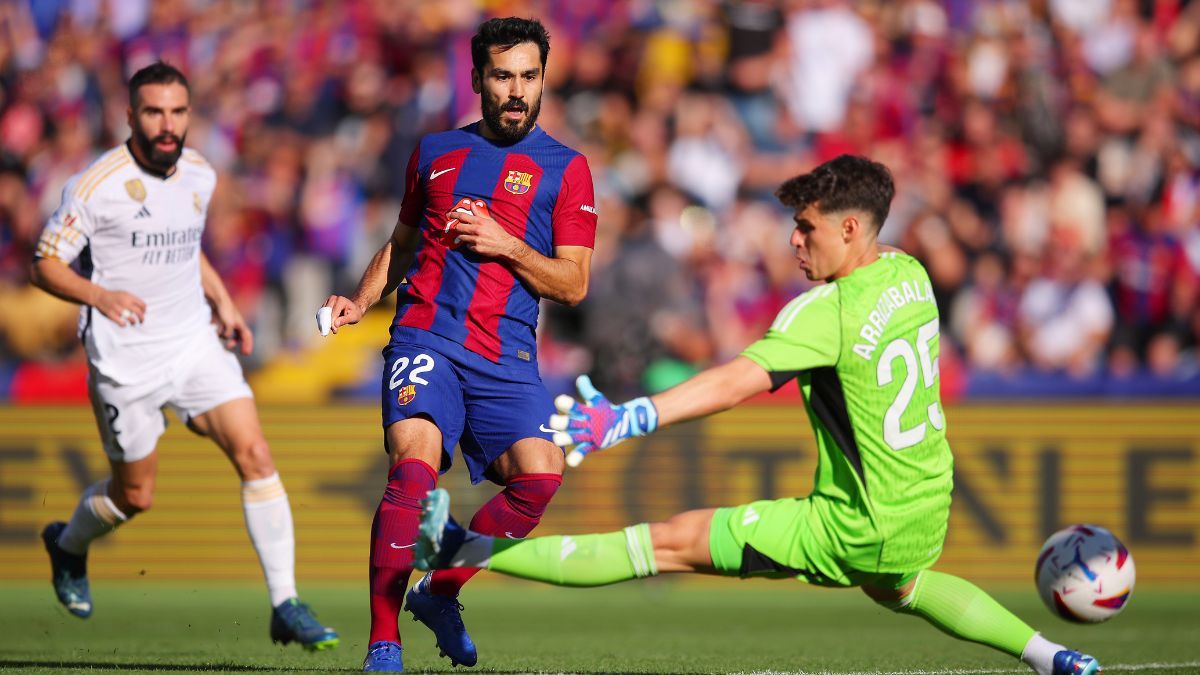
<point x="1022" y="471"/>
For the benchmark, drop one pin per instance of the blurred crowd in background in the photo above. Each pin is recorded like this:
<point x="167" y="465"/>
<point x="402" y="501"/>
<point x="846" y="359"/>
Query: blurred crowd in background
<point x="1046" y="154"/>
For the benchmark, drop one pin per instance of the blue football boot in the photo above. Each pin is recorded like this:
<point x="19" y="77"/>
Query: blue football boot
<point x="1071" y="662"/>
<point x="442" y="614"/>
<point x="384" y="657"/>
<point x="68" y="573"/>
<point x="293" y="621"/>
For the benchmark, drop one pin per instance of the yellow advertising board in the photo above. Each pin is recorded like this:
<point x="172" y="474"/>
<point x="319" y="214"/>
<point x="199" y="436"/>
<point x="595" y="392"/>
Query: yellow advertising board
<point x="1022" y="471"/>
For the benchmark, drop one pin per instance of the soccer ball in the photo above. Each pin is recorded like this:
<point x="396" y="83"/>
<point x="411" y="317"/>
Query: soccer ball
<point x="1084" y="574"/>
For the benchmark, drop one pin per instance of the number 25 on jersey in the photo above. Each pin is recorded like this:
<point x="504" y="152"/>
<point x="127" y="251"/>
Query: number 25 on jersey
<point x="897" y="437"/>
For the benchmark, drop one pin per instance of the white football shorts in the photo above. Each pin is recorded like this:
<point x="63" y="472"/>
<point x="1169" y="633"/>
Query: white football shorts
<point x="131" y="417"/>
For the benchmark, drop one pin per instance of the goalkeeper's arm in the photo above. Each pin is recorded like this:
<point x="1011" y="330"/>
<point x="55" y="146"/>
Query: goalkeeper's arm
<point x="711" y="391"/>
<point x="595" y="424"/>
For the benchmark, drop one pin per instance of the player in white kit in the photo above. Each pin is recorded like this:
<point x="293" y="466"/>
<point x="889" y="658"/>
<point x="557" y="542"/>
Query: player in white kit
<point x="134" y="220"/>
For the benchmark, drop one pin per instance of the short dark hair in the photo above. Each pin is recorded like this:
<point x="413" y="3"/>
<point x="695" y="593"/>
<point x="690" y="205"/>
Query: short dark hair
<point x="507" y="33"/>
<point x="844" y="182"/>
<point x="159" y="72"/>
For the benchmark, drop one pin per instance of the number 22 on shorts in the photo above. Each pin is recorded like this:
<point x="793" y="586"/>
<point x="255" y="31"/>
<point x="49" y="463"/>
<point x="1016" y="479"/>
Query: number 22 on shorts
<point x="421" y="363"/>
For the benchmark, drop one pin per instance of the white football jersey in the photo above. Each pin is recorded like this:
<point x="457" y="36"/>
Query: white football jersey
<point x="142" y="233"/>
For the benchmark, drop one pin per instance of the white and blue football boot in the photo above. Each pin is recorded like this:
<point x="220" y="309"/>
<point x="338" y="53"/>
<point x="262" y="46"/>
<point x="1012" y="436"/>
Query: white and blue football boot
<point x="1071" y="662"/>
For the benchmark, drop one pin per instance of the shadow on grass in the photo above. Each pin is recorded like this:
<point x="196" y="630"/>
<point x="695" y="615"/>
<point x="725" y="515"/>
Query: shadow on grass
<point x="13" y="664"/>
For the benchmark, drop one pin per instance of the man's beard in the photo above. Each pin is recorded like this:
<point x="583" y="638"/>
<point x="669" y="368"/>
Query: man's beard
<point x="158" y="159"/>
<point x="493" y="116"/>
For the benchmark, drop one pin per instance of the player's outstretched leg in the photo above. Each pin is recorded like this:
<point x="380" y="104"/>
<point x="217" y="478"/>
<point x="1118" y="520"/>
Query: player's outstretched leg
<point x="963" y="610"/>
<point x="567" y="560"/>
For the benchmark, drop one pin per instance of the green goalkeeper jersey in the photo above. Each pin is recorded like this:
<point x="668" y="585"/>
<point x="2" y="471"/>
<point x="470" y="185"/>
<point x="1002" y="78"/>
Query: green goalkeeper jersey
<point x="865" y="351"/>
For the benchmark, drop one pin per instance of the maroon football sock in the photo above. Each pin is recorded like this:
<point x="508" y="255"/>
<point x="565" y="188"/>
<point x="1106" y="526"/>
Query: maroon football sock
<point x="393" y="535"/>
<point x="512" y="513"/>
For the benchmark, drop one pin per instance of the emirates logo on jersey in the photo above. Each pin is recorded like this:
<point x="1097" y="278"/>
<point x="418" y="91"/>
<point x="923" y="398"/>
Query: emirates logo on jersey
<point x="518" y="182"/>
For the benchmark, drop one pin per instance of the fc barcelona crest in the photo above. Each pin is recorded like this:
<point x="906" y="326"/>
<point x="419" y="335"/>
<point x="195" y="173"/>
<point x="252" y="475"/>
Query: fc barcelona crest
<point x="518" y="182"/>
<point x="136" y="190"/>
<point x="406" y="394"/>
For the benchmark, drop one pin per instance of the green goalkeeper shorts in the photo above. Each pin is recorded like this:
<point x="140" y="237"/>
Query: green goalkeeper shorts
<point x="792" y="538"/>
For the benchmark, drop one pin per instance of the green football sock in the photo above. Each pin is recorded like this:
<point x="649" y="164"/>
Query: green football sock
<point x="961" y="609"/>
<point x="577" y="560"/>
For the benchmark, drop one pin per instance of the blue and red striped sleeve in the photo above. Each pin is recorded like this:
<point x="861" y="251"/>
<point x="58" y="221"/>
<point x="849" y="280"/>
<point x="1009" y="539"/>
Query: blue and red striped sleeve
<point x="574" y="219"/>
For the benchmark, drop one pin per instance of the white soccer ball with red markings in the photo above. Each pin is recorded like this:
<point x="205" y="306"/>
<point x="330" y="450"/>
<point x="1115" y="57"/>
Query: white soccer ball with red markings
<point x="1085" y="574"/>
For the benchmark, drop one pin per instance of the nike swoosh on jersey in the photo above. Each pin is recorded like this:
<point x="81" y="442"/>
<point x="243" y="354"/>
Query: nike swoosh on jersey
<point x="546" y="429"/>
<point x="435" y="174"/>
<point x="408" y="546"/>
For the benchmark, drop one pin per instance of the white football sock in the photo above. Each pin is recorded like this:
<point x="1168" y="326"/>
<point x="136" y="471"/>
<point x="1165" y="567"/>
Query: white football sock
<point x="1039" y="654"/>
<point x="95" y="516"/>
<point x="269" y="522"/>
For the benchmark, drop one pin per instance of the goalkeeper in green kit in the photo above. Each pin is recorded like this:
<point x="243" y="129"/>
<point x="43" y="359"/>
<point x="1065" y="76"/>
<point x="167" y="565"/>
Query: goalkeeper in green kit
<point x="864" y="348"/>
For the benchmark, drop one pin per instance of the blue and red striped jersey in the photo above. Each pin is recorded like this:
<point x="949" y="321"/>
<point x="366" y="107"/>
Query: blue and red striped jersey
<point x="538" y="189"/>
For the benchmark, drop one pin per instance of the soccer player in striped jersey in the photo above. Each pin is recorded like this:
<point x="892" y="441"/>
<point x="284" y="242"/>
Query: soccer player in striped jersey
<point x="134" y="220"/>
<point x="496" y="216"/>
<point x="864" y="348"/>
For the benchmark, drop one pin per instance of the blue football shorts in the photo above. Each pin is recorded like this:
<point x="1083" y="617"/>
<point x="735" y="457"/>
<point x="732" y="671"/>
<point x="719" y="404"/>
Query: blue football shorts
<point x="478" y="405"/>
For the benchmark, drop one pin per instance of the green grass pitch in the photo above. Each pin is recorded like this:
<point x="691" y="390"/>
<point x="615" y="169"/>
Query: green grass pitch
<point x="662" y="626"/>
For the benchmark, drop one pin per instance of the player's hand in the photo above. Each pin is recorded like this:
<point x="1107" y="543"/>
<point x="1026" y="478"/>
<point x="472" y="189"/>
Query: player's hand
<point x="232" y="327"/>
<point x="345" y="311"/>
<point x="479" y="233"/>
<point x="596" y="424"/>
<point x="123" y="309"/>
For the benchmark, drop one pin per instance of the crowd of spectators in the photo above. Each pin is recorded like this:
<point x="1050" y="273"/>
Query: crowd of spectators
<point x="1047" y="158"/>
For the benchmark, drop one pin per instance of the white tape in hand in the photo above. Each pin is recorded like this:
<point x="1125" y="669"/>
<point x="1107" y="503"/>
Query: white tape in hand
<point x="324" y="320"/>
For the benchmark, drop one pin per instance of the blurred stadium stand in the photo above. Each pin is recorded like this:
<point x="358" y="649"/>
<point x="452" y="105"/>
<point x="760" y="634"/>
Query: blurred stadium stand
<point x="1047" y="155"/>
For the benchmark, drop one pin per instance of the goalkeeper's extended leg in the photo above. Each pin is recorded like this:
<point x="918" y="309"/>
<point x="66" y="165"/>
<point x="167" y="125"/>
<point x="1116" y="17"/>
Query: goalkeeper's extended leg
<point x="960" y="609"/>
<point x="677" y="545"/>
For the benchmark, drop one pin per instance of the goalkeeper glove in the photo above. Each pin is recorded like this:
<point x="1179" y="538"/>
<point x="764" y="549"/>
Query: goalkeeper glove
<point x="596" y="423"/>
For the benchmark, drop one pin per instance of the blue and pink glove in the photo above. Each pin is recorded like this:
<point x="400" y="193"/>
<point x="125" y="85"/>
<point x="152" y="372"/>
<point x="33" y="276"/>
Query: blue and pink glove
<point x="596" y="423"/>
